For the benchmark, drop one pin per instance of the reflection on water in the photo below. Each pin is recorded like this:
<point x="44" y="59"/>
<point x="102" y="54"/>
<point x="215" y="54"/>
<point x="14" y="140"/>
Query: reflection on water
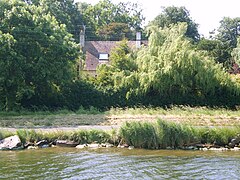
<point x="70" y="163"/>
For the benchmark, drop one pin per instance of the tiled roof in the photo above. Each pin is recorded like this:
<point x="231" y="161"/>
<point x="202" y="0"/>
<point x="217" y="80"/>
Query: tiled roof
<point x="93" y="48"/>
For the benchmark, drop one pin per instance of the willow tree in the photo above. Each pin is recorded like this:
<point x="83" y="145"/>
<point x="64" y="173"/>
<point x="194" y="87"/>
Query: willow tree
<point x="171" y="67"/>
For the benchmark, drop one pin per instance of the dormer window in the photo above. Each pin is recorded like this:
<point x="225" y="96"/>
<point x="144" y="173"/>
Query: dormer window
<point x="103" y="57"/>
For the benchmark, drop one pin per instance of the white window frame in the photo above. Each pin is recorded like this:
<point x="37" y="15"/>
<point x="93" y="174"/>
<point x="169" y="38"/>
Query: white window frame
<point x="103" y="56"/>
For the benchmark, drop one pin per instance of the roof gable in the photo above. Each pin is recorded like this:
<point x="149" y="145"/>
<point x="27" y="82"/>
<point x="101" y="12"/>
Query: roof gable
<point x="94" y="48"/>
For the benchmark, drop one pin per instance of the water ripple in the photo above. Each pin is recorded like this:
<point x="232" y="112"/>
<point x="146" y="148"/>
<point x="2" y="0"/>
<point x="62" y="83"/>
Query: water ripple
<point x="117" y="164"/>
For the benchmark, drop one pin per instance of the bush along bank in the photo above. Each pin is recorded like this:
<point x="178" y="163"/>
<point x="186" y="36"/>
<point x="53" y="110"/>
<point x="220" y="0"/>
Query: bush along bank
<point x="159" y="135"/>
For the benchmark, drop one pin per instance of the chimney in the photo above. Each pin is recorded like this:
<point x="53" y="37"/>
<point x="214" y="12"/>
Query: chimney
<point x="138" y="39"/>
<point x="82" y="38"/>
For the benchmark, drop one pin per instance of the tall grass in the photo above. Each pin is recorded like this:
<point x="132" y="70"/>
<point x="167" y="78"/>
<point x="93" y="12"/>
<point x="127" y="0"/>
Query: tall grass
<point x="159" y="135"/>
<point x="168" y="134"/>
<point x="5" y="133"/>
<point x="219" y="136"/>
<point x="140" y="135"/>
<point x="29" y="136"/>
<point x="84" y="136"/>
<point x="81" y="136"/>
<point x="175" y="135"/>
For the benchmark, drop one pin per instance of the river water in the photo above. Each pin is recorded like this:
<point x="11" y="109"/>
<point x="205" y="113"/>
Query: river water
<point x="113" y="163"/>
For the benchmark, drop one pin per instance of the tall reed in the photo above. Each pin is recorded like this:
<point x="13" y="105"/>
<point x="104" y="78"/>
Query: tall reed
<point x="81" y="136"/>
<point x="219" y="136"/>
<point x="5" y="133"/>
<point x="29" y="136"/>
<point x="140" y="135"/>
<point x="163" y="134"/>
<point x="174" y="135"/>
<point x="159" y="135"/>
<point x="84" y="136"/>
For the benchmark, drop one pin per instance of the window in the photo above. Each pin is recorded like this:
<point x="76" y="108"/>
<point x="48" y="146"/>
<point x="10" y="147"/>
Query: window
<point x="103" y="56"/>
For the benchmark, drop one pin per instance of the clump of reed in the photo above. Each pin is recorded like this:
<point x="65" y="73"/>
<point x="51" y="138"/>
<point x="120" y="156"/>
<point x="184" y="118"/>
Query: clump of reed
<point x="81" y="136"/>
<point x="84" y="136"/>
<point x="219" y="136"/>
<point x="139" y="135"/>
<point x="29" y="136"/>
<point x="175" y="135"/>
<point x="163" y="134"/>
<point x="5" y="133"/>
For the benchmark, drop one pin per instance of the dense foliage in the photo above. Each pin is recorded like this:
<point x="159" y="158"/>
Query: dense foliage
<point x="105" y="19"/>
<point x="39" y="55"/>
<point x="173" y="15"/>
<point x="225" y="41"/>
<point x="229" y="31"/>
<point x="169" y="70"/>
<point x="171" y="66"/>
<point x="65" y="11"/>
<point x="217" y="50"/>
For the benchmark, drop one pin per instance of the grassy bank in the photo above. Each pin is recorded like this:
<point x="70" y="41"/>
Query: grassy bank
<point x="175" y="110"/>
<point x="63" y="118"/>
<point x="81" y="136"/>
<point x="164" y="134"/>
<point x="197" y="116"/>
<point x="158" y="135"/>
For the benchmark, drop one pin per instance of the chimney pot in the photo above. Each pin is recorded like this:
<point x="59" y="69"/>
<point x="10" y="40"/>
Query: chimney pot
<point x="82" y="38"/>
<point x="138" y="39"/>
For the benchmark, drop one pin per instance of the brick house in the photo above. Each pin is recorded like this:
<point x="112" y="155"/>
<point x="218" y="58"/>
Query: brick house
<point x="98" y="52"/>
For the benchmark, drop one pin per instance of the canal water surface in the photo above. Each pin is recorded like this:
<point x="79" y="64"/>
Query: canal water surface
<point x="71" y="163"/>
